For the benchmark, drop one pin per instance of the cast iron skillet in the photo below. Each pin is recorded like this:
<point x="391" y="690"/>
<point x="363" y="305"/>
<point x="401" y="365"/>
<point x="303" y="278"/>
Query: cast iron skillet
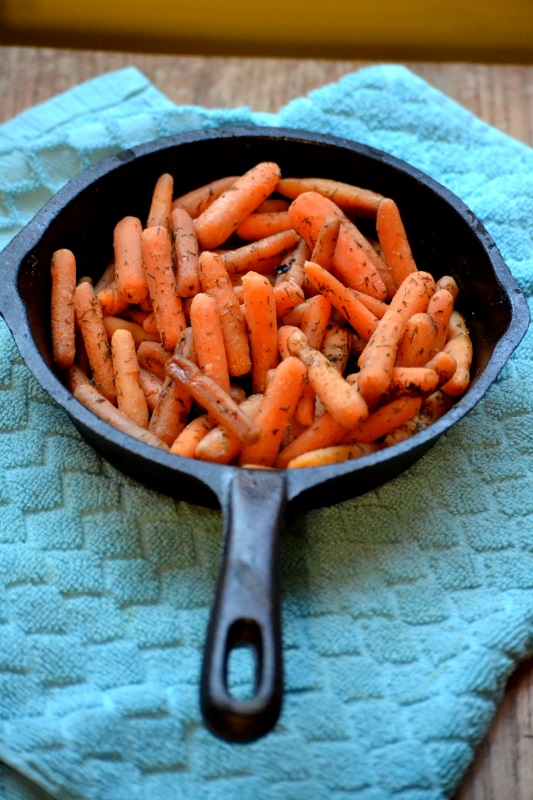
<point x="446" y="238"/>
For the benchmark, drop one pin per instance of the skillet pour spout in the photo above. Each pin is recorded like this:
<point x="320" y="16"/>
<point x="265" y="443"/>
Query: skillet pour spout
<point x="446" y="239"/>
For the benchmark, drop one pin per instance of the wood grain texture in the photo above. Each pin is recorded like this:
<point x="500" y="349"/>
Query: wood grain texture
<point x="501" y="95"/>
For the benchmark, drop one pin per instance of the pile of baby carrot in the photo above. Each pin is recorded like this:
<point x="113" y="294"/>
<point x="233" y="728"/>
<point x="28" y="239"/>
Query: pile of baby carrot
<point x="251" y="322"/>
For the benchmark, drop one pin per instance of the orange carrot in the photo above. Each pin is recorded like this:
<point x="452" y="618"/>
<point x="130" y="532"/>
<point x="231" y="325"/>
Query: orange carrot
<point x="185" y="252"/>
<point x="385" y="419"/>
<point x="449" y="283"/>
<point x="287" y="295"/>
<point x="90" y="319"/>
<point x="444" y="364"/>
<point x="224" y="215"/>
<point x="361" y="202"/>
<point x="284" y="332"/>
<point x="137" y="331"/>
<point x="157" y="260"/>
<point x="150" y="326"/>
<point x="261" y="224"/>
<point x="151" y="386"/>
<point x="432" y="408"/>
<point x="189" y="438"/>
<point x="293" y="267"/>
<point x="378" y="358"/>
<point x="110" y="300"/>
<point x="440" y="309"/>
<point x="63" y="272"/>
<point x="405" y="380"/>
<point x="336" y="346"/>
<point x="99" y="405"/>
<point x="171" y="412"/>
<point x="272" y="204"/>
<point x="459" y="346"/>
<point x="355" y="259"/>
<point x="326" y="242"/>
<point x="261" y="319"/>
<point x="332" y="455"/>
<point x="208" y="394"/>
<point x="215" y="281"/>
<point x="161" y="205"/>
<point x="130" y="278"/>
<point x="275" y="412"/>
<point x="417" y="341"/>
<point x="262" y="255"/>
<point x="221" y="446"/>
<point x="130" y="397"/>
<point x="76" y="377"/>
<point x="359" y="317"/>
<point x="152" y="357"/>
<point x="344" y="402"/>
<point x="393" y="240"/>
<point x="209" y="339"/>
<point x="315" y="320"/>
<point x="324" y="432"/>
<point x="197" y="200"/>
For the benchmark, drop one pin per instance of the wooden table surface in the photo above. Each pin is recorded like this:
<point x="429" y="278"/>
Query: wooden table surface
<point x="501" y="95"/>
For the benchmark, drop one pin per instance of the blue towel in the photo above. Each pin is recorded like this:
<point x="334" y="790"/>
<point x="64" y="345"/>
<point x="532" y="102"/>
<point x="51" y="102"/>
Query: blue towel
<point x="405" y="610"/>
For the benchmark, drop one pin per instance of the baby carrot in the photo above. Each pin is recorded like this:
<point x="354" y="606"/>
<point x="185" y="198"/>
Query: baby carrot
<point x="432" y="408"/>
<point x="315" y="320"/>
<point x="90" y="319"/>
<point x="261" y="319"/>
<point x="388" y="417"/>
<point x="157" y="260"/>
<point x="275" y="412"/>
<point x="110" y="300"/>
<point x="130" y="278"/>
<point x="215" y="281"/>
<point x="440" y="309"/>
<point x="293" y="267"/>
<point x="449" y="283"/>
<point x="130" y="397"/>
<point x="393" y="240"/>
<point x="152" y="357"/>
<point x="76" y="377"/>
<point x="355" y="259"/>
<point x="444" y="364"/>
<point x="224" y="215"/>
<point x="209" y="339"/>
<point x="220" y="407"/>
<point x="151" y="386"/>
<point x="459" y="346"/>
<point x="63" y="272"/>
<point x="95" y="402"/>
<point x="336" y="346"/>
<point x="332" y="455"/>
<point x="221" y="446"/>
<point x="197" y="200"/>
<point x="137" y="331"/>
<point x="161" y="205"/>
<point x="343" y="299"/>
<point x="261" y="224"/>
<point x="171" y="412"/>
<point x="361" y="202"/>
<point x="287" y="295"/>
<point x="343" y="401"/>
<point x="417" y="341"/>
<point x="326" y="242"/>
<point x="262" y="255"/>
<point x="186" y="442"/>
<point x="185" y="252"/>
<point x="421" y="380"/>
<point x="324" y="432"/>
<point x="378" y="357"/>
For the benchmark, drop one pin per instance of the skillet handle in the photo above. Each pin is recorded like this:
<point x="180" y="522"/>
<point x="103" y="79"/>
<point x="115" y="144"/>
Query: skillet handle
<point x="246" y="611"/>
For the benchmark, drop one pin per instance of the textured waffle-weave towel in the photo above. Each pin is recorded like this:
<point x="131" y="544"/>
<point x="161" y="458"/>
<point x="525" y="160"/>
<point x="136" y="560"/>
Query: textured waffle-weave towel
<point x="404" y="610"/>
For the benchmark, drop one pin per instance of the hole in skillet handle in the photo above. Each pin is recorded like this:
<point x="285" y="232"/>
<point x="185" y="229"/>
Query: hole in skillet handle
<point x="246" y="611"/>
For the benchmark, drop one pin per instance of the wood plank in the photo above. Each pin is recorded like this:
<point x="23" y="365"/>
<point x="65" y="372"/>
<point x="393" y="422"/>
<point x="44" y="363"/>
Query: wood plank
<point x="501" y="95"/>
